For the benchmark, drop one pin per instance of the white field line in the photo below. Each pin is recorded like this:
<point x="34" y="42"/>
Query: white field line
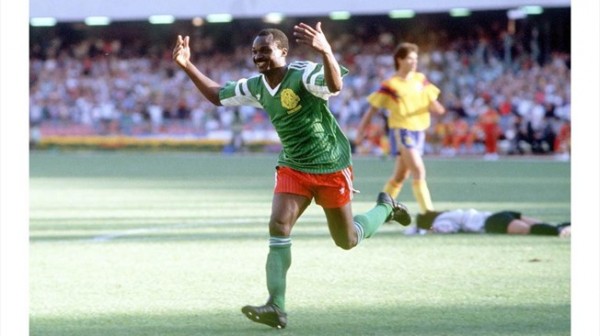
<point x="141" y="231"/>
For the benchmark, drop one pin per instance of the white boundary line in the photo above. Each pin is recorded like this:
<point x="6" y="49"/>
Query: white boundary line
<point x="140" y="231"/>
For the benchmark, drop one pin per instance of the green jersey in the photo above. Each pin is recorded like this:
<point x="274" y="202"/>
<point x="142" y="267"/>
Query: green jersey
<point x="311" y="138"/>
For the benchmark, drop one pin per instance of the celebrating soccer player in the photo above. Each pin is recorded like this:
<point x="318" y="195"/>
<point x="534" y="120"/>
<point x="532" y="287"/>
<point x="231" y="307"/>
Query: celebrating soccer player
<point x="315" y="160"/>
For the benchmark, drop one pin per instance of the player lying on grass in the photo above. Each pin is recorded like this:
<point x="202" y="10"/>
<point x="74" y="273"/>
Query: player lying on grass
<point x="475" y="221"/>
<point x="315" y="160"/>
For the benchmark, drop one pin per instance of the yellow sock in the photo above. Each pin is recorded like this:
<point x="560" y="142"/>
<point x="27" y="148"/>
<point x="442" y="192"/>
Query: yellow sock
<point x="392" y="188"/>
<point x="422" y="195"/>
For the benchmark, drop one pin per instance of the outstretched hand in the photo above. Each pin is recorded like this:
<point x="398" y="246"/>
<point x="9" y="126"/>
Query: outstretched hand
<point x="312" y="37"/>
<point x="181" y="52"/>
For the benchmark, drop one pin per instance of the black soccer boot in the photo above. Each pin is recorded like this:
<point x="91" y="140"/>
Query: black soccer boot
<point x="399" y="211"/>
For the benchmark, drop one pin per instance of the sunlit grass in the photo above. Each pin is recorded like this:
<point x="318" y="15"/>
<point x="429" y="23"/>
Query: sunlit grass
<point x="174" y="244"/>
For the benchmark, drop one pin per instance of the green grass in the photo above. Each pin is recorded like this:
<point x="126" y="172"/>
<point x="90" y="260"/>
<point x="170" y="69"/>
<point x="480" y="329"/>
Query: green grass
<point x="127" y="243"/>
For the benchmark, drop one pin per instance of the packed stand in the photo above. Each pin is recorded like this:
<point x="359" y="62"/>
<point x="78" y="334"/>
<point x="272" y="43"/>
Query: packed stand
<point x="502" y="97"/>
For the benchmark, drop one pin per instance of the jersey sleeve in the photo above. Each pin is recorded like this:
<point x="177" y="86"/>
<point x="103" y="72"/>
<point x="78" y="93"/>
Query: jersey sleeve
<point x="432" y="91"/>
<point x="237" y="93"/>
<point x="313" y="78"/>
<point x="385" y="98"/>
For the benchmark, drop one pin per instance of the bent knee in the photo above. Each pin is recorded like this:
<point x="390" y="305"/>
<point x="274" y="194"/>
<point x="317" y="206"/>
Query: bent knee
<point x="279" y="228"/>
<point x="346" y="244"/>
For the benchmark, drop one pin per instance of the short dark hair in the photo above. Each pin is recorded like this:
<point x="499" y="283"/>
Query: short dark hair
<point x="278" y="36"/>
<point x="402" y="50"/>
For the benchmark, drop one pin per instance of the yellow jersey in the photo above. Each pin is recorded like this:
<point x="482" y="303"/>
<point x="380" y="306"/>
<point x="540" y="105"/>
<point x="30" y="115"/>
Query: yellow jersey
<point x="407" y="100"/>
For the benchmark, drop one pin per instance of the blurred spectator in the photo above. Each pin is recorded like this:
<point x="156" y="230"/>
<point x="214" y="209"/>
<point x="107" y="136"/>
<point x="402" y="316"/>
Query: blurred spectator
<point x="488" y="122"/>
<point x="460" y="136"/>
<point x="562" y="143"/>
<point x="117" y="86"/>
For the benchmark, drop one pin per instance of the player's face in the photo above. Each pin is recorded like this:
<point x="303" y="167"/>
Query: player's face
<point x="266" y="54"/>
<point x="409" y="63"/>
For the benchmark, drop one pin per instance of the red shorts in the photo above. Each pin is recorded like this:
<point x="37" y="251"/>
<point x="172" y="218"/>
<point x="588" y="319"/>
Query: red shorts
<point x="332" y="190"/>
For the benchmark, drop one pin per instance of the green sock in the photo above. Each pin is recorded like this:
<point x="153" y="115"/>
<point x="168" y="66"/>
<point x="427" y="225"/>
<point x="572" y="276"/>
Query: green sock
<point x="279" y="260"/>
<point x="367" y="224"/>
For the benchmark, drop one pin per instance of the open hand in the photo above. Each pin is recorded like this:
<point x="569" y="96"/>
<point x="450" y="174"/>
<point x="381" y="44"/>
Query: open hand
<point x="181" y="52"/>
<point x="312" y="37"/>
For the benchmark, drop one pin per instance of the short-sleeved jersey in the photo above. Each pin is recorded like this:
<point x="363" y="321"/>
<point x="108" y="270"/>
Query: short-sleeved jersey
<point x="406" y="100"/>
<point x="471" y="221"/>
<point x="312" y="140"/>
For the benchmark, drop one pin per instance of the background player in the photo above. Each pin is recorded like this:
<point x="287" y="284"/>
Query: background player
<point x="475" y="221"/>
<point x="409" y="98"/>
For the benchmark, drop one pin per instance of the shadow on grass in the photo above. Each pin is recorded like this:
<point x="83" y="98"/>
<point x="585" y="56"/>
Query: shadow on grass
<point x="542" y="320"/>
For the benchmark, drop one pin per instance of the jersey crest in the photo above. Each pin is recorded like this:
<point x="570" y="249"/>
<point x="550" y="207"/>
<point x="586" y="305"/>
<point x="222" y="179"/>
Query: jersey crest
<point x="290" y="100"/>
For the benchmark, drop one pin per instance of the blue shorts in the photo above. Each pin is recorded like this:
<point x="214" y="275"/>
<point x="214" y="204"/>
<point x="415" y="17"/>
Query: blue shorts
<point x="409" y="139"/>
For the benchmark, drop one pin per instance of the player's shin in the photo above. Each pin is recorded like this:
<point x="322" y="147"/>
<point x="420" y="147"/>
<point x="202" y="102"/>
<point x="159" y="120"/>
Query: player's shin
<point x="279" y="260"/>
<point x="369" y="222"/>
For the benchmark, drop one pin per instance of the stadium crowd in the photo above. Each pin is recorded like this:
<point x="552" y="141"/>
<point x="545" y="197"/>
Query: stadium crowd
<point x="504" y="95"/>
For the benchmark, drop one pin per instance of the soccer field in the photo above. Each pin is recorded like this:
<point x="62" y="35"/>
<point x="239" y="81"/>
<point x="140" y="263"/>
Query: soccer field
<point x="143" y="243"/>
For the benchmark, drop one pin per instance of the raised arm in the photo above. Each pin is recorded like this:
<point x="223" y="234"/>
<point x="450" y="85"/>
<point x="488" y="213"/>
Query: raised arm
<point x="181" y="56"/>
<point x="314" y="38"/>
